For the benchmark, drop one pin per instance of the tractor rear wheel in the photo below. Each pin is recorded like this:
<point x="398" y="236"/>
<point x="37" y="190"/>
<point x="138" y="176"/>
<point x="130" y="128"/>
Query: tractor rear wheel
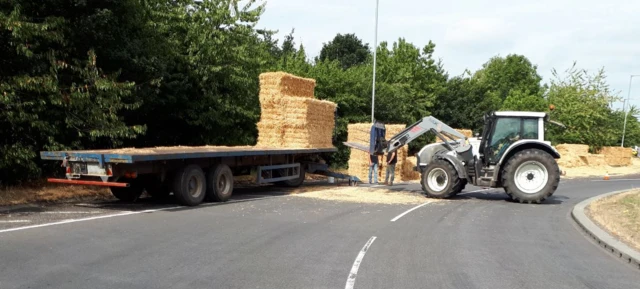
<point x="440" y="180"/>
<point x="531" y="176"/>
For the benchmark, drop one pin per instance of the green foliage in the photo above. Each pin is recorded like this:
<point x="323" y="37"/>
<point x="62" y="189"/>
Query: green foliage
<point x="348" y="49"/>
<point x="582" y="104"/>
<point x="524" y="100"/>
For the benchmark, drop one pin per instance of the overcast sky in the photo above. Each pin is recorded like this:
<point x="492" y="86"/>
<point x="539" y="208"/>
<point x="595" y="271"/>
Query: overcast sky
<point x="552" y="34"/>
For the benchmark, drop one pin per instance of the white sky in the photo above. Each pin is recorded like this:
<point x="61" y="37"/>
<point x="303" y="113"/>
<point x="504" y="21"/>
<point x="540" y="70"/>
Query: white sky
<point x="552" y="34"/>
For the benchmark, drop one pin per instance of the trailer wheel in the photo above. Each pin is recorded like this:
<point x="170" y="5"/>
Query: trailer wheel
<point x="531" y="176"/>
<point x="190" y="185"/>
<point x="440" y="180"/>
<point x="130" y="193"/>
<point x="219" y="183"/>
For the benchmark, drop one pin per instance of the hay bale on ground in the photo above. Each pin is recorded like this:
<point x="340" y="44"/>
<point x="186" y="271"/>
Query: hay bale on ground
<point x="593" y="160"/>
<point x="408" y="174"/>
<point x="359" y="160"/>
<point x="570" y="155"/>
<point x="617" y="156"/>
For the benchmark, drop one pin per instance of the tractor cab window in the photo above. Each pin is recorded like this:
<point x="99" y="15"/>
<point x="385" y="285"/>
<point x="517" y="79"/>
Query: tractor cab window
<point x="506" y="132"/>
<point x="530" y="128"/>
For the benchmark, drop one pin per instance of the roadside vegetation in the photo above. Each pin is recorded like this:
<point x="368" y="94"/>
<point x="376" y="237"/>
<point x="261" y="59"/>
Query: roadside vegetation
<point x="619" y="215"/>
<point x="81" y="74"/>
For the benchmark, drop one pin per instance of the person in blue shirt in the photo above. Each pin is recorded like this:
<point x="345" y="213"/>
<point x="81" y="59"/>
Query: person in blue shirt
<point x="373" y="168"/>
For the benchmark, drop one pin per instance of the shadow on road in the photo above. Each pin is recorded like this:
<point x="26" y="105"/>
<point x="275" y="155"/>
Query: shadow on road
<point x="500" y="195"/>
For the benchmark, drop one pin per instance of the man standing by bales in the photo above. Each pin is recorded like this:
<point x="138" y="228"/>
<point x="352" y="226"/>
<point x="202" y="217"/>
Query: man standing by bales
<point x="373" y="168"/>
<point x="392" y="159"/>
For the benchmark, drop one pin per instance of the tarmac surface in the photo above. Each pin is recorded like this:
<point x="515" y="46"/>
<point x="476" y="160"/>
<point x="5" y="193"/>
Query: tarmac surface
<point x="267" y="239"/>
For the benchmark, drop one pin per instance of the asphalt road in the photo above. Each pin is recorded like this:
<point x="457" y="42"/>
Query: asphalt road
<point x="479" y="240"/>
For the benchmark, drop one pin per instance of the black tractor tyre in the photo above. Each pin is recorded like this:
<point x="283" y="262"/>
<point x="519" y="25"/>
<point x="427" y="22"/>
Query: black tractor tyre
<point x="293" y="183"/>
<point x="436" y="170"/>
<point x="190" y="185"/>
<point x="540" y="164"/>
<point x="460" y="187"/>
<point x="130" y="193"/>
<point x="219" y="183"/>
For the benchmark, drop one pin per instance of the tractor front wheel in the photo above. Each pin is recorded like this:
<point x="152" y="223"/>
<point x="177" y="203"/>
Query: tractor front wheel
<point x="531" y="176"/>
<point x="440" y="180"/>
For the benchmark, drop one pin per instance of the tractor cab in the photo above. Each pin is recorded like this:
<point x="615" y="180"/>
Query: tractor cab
<point x="502" y="129"/>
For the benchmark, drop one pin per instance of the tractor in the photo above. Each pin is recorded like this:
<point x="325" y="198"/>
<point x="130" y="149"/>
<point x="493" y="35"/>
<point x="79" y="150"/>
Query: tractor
<point x="511" y="153"/>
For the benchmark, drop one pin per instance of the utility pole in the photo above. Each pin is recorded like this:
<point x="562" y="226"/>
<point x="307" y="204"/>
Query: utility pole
<point x="375" y="49"/>
<point x="624" y="127"/>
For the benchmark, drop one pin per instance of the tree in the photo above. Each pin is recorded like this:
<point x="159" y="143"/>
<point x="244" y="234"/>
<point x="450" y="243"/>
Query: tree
<point x="581" y="102"/>
<point x="52" y="94"/>
<point x="348" y="49"/>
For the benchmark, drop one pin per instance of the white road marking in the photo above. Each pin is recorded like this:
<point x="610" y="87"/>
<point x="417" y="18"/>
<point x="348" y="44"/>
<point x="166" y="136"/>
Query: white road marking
<point x="408" y="211"/>
<point x="126" y="213"/>
<point x="351" y="280"/>
<point x="16" y="221"/>
<point x="71" y="212"/>
<point x="477" y="191"/>
<point x="85" y="219"/>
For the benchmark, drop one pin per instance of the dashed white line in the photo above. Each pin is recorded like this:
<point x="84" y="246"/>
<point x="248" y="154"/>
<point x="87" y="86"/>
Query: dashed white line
<point x="351" y="280"/>
<point x="408" y="211"/>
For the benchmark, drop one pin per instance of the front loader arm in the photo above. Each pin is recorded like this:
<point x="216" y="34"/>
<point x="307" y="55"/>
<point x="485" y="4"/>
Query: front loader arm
<point x="426" y="124"/>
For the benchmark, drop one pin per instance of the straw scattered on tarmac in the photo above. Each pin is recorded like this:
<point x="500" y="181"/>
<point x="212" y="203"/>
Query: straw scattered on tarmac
<point x="368" y="195"/>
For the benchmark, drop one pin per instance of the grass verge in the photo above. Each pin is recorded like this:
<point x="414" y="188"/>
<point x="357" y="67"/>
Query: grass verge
<point x="620" y="216"/>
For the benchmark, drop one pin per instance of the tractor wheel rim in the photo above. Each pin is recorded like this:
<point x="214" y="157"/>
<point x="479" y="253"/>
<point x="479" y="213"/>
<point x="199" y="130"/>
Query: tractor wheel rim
<point x="531" y="177"/>
<point x="437" y="179"/>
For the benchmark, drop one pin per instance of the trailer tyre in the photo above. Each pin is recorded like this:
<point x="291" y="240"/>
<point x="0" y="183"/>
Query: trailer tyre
<point x="440" y="180"/>
<point x="190" y="185"/>
<point x="130" y="193"/>
<point x="219" y="183"/>
<point x="531" y="176"/>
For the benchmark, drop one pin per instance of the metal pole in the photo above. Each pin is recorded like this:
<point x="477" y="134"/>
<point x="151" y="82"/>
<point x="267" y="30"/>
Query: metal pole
<point x="624" y="127"/>
<point x="375" y="48"/>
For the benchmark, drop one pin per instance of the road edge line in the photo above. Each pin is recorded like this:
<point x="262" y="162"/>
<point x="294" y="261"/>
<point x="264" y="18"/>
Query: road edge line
<point x="351" y="280"/>
<point x="604" y="239"/>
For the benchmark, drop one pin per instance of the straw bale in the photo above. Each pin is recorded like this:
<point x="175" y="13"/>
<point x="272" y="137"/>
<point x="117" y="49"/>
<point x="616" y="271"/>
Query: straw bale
<point x="617" y="156"/>
<point x="274" y="85"/>
<point x="593" y="160"/>
<point x="466" y="132"/>
<point x="572" y="149"/>
<point x="408" y="174"/>
<point x="294" y="122"/>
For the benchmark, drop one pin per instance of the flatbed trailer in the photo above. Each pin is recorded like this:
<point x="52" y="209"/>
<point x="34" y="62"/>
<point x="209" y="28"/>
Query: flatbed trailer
<point x="192" y="174"/>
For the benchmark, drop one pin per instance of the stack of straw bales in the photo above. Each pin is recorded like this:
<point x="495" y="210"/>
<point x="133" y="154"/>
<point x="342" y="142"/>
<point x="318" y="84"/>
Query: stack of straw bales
<point x="290" y="115"/>
<point x="617" y="156"/>
<point x="359" y="160"/>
